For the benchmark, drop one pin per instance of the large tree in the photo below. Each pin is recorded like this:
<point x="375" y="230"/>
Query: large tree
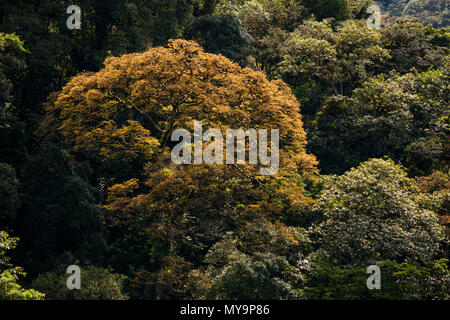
<point x="121" y="120"/>
<point x="127" y="112"/>
<point x="319" y="61"/>
<point x="375" y="212"/>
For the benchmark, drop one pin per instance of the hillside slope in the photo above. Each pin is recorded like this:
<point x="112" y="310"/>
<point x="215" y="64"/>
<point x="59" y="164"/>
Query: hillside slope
<point x="435" y="12"/>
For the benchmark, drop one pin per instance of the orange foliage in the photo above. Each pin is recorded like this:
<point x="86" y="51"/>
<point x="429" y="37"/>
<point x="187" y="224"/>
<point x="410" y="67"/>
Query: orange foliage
<point x="130" y="108"/>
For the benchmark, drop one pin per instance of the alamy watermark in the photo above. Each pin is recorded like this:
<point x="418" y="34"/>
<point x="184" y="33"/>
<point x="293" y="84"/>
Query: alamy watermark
<point x="74" y="280"/>
<point x="253" y="140"/>
<point x="74" y="20"/>
<point x="374" y="281"/>
<point x="374" y="21"/>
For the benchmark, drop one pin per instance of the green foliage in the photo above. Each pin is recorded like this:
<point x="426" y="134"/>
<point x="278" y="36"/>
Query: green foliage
<point x="12" y="137"/>
<point x="108" y="27"/>
<point x="284" y="14"/>
<point x="403" y="117"/>
<point x="435" y="12"/>
<point x="96" y="284"/>
<point x="412" y="45"/>
<point x="12" y="67"/>
<point x="9" y="194"/>
<point x="262" y="276"/>
<point x="221" y="34"/>
<point x="263" y="262"/>
<point x="328" y="61"/>
<point x="399" y="281"/>
<point x="323" y="9"/>
<point x="10" y="289"/>
<point x="60" y="211"/>
<point x="95" y="183"/>
<point x="6" y="243"/>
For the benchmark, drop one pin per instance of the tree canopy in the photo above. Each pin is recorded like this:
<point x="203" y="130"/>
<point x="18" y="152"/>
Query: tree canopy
<point x="357" y="125"/>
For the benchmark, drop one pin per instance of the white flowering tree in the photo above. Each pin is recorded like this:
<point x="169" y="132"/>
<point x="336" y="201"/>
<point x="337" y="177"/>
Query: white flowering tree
<point x="374" y="213"/>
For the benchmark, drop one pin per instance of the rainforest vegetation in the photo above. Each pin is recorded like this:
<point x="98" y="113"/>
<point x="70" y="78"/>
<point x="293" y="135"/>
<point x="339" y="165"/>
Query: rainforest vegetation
<point x="86" y="177"/>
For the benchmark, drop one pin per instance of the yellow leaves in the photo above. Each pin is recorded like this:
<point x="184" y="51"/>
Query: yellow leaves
<point x="167" y="109"/>
<point x="148" y="146"/>
<point x="122" y="190"/>
<point x="120" y="200"/>
<point x="94" y="95"/>
<point x="168" y="172"/>
<point x="128" y="109"/>
<point x="126" y="143"/>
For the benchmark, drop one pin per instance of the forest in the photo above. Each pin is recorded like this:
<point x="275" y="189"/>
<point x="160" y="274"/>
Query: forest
<point x="87" y="119"/>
